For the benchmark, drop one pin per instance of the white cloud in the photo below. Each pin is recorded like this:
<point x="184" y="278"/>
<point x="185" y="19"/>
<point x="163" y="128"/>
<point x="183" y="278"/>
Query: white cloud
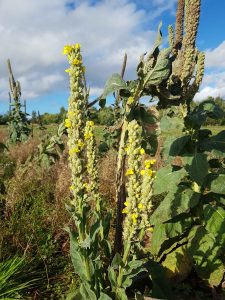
<point x="33" y="34"/>
<point x="216" y="57"/>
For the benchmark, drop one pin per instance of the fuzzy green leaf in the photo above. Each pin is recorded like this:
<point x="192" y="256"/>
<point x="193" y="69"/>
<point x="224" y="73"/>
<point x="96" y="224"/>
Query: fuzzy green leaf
<point x="86" y="292"/>
<point x="169" y="125"/>
<point x="165" y="231"/>
<point x="76" y="257"/>
<point x="161" y="69"/>
<point x="202" y="247"/>
<point x="197" y="167"/>
<point x="113" y="84"/>
<point x="103" y="296"/>
<point x="216" y="183"/>
<point x="167" y="178"/>
<point x="175" y="203"/>
<point x="215" y="222"/>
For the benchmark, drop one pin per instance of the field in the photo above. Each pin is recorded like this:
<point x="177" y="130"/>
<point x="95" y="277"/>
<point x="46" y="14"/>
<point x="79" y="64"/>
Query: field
<point x="132" y="210"/>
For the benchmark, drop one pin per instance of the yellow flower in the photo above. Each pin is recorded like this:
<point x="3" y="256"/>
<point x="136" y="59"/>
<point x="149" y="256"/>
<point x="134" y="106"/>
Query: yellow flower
<point x="124" y="211"/>
<point x="76" y="62"/>
<point x="142" y="151"/>
<point x="77" y="46"/>
<point x="126" y="203"/>
<point x="68" y="123"/>
<point x="91" y="123"/>
<point x="88" y="135"/>
<point x="74" y="150"/>
<point x="70" y="113"/>
<point x="80" y="144"/>
<point x="67" y="70"/>
<point x="150" y="229"/>
<point x="140" y="205"/>
<point x="67" y="49"/>
<point x="134" y="218"/>
<point x="130" y="100"/>
<point x="142" y="172"/>
<point x="129" y="172"/>
<point x="72" y="187"/>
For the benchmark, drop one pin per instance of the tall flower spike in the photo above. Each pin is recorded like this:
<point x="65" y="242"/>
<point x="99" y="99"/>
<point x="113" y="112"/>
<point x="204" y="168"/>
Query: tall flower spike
<point x="75" y="122"/>
<point x="92" y="171"/>
<point x="145" y="204"/>
<point x="134" y="157"/>
<point x="179" y="23"/>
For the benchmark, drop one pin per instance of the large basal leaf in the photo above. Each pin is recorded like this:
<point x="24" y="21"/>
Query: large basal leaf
<point x="175" y="203"/>
<point x="178" y="264"/>
<point x="167" y="178"/>
<point x="166" y="231"/>
<point x="113" y="84"/>
<point x="205" y="252"/>
<point x="216" y="183"/>
<point x="215" y="222"/>
<point x="216" y="142"/>
<point x="197" y="167"/>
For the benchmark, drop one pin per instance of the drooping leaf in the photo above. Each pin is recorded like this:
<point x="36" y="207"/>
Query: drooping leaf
<point x="161" y="69"/>
<point x="215" y="222"/>
<point x="175" y="203"/>
<point x="178" y="264"/>
<point x="167" y="178"/>
<point x="167" y="231"/>
<point x="113" y="84"/>
<point x="205" y="252"/>
<point x="197" y="166"/>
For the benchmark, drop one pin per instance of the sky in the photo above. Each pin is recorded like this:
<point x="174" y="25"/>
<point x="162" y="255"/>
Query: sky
<point x="33" y="33"/>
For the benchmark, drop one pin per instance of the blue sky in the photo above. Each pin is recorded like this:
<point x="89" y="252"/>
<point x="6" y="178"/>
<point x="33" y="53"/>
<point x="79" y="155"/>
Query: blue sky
<point x="34" y="32"/>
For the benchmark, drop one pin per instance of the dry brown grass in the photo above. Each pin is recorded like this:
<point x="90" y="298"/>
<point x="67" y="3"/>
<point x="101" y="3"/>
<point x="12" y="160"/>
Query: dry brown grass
<point x="20" y="152"/>
<point x="107" y="176"/>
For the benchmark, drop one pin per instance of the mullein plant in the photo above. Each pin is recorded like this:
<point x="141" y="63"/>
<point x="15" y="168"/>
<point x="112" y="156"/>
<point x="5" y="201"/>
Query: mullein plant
<point x="102" y="276"/>
<point x="19" y="130"/>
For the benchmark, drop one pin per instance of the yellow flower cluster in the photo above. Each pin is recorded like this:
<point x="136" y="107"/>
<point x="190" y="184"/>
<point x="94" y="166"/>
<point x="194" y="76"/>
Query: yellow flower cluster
<point x="75" y="121"/>
<point x="91" y="161"/>
<point x="138" y="206"/>
<point x="148" y="175"/>
<point x="134" y="158"/>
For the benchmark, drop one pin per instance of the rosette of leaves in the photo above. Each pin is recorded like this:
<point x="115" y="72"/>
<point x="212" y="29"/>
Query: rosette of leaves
<point x="189" y="223"/>
<point x="51" y="148"/>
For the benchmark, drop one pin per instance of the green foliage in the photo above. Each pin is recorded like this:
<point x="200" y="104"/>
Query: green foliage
<point x="18" y="125"/>
<point x="12" y="279"/>
<point x="191" y="213"/>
